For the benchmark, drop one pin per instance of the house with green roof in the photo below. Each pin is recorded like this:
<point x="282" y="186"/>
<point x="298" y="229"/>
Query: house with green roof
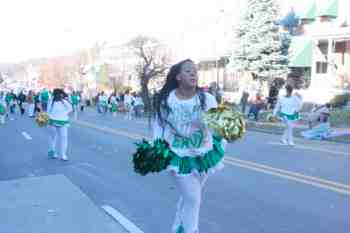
<point x="320" y="49"/>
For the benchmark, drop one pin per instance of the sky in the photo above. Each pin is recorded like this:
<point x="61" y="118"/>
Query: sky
<point x="41" y="28"/>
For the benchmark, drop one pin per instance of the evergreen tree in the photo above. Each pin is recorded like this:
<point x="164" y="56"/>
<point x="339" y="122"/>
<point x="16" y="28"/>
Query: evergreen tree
<point x="262" y="48"/>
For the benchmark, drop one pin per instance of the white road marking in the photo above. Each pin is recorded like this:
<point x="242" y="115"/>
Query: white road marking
<point x="313" y="149"/>
<point x="128" y="225"/>
<point x="87" y="165"/>
<point x="26" y="135"/>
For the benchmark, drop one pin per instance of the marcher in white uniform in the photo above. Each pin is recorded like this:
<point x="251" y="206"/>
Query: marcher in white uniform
<point x="128" y="103"/>
<point x="58" y="110"/>
<point x="288" y="108"/>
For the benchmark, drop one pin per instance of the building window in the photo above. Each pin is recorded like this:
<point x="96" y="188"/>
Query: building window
<point x="321" y="67"/>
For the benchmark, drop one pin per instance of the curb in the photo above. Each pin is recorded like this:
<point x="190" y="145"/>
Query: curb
<point x="279" y="132"/>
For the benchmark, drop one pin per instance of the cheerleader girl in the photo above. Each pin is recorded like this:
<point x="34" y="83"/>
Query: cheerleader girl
<point x="178" y="120"/>
<point x="288" y="108"/>
<point x="58" y="110"/>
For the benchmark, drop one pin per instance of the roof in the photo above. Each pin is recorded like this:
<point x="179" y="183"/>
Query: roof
<point x="301" y="52"/>
<point x="309" y="11"/>
<point x="330" y="8"/>
<point x="313" y="10"/>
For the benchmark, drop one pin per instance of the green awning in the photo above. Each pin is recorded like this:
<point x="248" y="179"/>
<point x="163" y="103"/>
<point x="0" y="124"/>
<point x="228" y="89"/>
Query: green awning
<point x="330" y="8"/>
<point x="300" y="52"/>
<point x="309" y="11"/>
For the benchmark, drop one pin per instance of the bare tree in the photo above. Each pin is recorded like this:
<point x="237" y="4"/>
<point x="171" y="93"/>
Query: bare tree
<point x="152" y="62"/>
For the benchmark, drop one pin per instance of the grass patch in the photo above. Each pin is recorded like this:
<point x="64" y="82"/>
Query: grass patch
<point x="340" y="118"/>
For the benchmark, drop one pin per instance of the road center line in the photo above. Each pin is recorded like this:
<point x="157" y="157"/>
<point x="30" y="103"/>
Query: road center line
<point x="316" y="184"/>
<point x="128" y="225"/>
<point x="26" y="135"/>
<point x="288" y="173"/>
<point x="314" y="181"/>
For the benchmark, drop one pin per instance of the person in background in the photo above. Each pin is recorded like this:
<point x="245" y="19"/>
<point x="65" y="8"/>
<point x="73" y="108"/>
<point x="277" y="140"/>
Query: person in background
<point x="21" y="102"/>
<point x="37" y="108"/>
<point x="313" y="116"/>
<point x="257" y="105"/>
<point x="75" y="99"/>
<point x="114" y="104"/>
<point x="273" y="96"/>
<point x="103" y="102"/>
<point x="323" y="129"/>
<point x="2" y="108"/>
<point x="83" y="101"/>
<point x="138" y="105"/>
<point x="288" y="108"/>
<point x="10" y="100"/>
<point x="214" y="90"/>
<point x="244" y="101"/>
<point x="97" y="102"/>
<point x="128" y="103"/>
<point x="31" y="103"/>
<point x="44" y="97"/>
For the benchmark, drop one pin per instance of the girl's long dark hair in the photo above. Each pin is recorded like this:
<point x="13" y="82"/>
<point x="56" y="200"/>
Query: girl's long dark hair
<point x="161" y="107"/>
<point x="58" y="95"/>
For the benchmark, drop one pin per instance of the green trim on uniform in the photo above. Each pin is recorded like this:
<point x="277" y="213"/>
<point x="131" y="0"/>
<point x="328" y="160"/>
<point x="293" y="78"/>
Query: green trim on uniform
<point x="291" y="117"/>
<point x="201" y="164"/>
<point x="58" y="123"/>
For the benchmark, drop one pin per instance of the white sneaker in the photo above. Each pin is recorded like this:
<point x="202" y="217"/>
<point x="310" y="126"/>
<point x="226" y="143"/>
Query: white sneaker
<point x="284" y="142"/>
<point x="291" y="143"/>
<point x="64" y="158"/>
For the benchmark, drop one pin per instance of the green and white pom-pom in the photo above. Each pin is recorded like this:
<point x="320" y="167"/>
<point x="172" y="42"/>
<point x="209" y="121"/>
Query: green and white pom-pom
<point x="225" y="122"/>
<point x="151" y="157"/>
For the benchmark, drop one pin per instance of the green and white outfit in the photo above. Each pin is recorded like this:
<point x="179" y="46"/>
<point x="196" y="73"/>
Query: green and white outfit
<point x="196" y="155"/>
<point x="128" y="103"/>
<point x="2" y="109"/>
<point x="75" y="102"/>
<point x="288" y="109"/>
<point x="103" y="103"/>
<point x="44" y="99"/>
<point x="113" y="104"/>
<point x="58" y="126"/>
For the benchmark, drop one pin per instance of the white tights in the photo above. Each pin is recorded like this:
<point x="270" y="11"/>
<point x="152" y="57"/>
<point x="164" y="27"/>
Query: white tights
<point x="2" y="119"/>
<point x="188" y="206"/>
<point x="288" y="131"/>
<point x="62" y="134"/>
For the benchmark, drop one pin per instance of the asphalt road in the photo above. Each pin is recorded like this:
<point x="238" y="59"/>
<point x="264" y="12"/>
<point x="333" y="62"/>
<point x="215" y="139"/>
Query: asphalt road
<point x="265" y="186"/>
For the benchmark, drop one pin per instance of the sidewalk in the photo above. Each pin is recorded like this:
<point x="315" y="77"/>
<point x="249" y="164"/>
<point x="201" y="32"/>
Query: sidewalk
<point x="277" y="128"/>
<point x="50" y="204"/>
